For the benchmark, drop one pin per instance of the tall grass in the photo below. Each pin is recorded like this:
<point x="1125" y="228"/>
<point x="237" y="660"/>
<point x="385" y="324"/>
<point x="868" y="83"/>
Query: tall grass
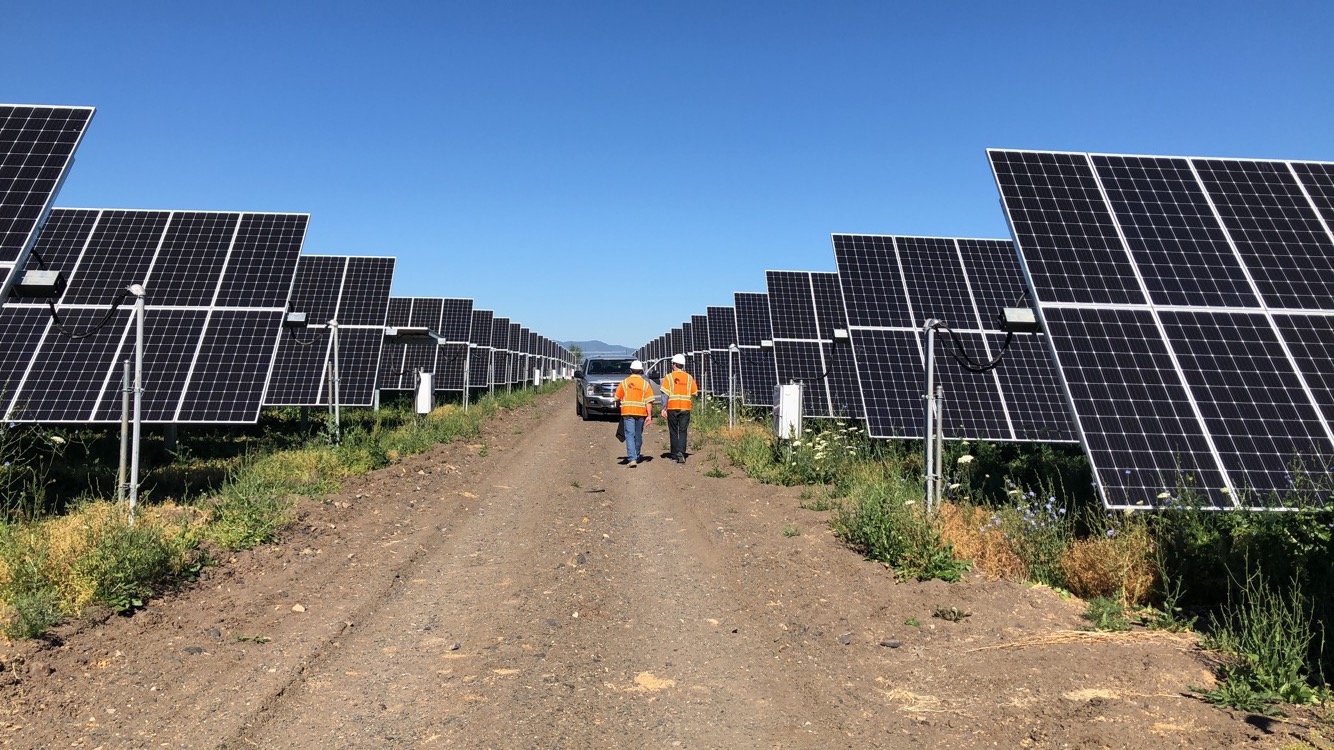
<point x="1028" y="513"/>
<point x="55" y="566"/>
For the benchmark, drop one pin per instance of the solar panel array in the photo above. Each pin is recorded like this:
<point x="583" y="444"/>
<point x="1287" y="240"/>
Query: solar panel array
<point x="805" y="308"/>
<point x="354" y="292"/>
<point x="722" y="337"/>
<point x="216" y="283"/>
<point x="218" y="286"/>
<point x="1189" y="304"/>
<point x="758" y="374"/>
<point x="892" y="285"/>
<point x="37" y="145"/>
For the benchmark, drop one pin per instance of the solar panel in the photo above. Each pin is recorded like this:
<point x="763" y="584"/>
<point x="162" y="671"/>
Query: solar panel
<point x="758" y="376"/>
<point x="216" y="288"/>
<point x="354" y="291"/>
<point x="699" y="357"/>
<point x="480" y="364"/>
<point x="804" y="346"/>
<point x="1187" y="303"/>
<point x="37" y="145"/>
<point x="517" y="362"/>
<point x="400" y="361"/>
<point x="722" y="336"/>
<point x="891" y="285"/>
<point x="500" y="355"/>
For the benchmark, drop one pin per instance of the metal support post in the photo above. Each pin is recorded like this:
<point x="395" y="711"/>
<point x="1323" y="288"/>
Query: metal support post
<point x="930" y="469"/>
<point x="335" y="392"/>
<point x="138" y="291"/>
<point x="121" y="479"/>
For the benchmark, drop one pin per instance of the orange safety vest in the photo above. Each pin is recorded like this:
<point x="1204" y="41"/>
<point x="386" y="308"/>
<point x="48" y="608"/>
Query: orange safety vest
<point x="679" y="387"/>
<point x="635" y="395"/>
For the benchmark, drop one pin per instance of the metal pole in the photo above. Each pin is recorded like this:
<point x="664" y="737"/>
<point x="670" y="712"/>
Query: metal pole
<point x="929" y="429"/>
<point x="467" y="377"/>
<point x="731" y="400"/>
<point x="124" y="434"/>
<point x="138" y="292"/>
<point x="940" y="444"/>
<point x="337" y="386"/>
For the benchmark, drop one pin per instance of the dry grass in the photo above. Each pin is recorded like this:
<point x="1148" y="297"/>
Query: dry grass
<point x="967" y="530"/>
<point x="1120" y="566"/>
<point x="57" y="544"/>
<point x="742" y="430"/>
<point x="1182" y="641"/>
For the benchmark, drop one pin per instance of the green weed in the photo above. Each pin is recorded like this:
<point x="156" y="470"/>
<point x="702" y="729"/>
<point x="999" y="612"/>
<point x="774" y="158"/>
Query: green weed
<point x="1106" y="613"/>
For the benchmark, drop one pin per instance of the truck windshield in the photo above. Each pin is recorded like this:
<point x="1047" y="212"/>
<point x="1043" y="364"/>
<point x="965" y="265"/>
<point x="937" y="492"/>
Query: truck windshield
<point x="609" y="367"/>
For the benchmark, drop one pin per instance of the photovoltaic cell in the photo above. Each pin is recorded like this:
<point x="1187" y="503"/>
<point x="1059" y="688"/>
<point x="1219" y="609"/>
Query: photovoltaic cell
<point x="722" y="336"/>
<point x="805" y="310"/>
<point x="37" y="145"/>
<point x="354" y="291"/>
<point x="1208" y="369"/>
<point x="479" y="376"/>
<point x="185" y="260"/>
<point x="758" y="375"/>
<point x="892" y="285"/>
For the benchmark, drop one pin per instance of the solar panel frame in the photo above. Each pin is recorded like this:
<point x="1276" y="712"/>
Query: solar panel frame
<point x="758" y="372"/>
<point x="352" y="290"/>
<point x="197" y="308"/>
<point x="479" y="375"/>
<point x="722" y="336"/>
<point x="1210" y="339"/>
<point x="892" y="284"/>
<point x="37" y="147"/>
<point x="800" y="353"/>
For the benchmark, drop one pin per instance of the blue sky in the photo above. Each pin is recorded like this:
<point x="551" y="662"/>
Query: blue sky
<point x="604" y="170"/>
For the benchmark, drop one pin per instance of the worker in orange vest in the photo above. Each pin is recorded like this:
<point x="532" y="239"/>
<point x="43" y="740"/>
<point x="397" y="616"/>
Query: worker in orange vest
<point x="635" y="395"/>
<point x="677" y="390"/>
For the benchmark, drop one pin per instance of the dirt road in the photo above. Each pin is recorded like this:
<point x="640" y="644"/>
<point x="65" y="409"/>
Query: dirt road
<point x="526" y="591"/>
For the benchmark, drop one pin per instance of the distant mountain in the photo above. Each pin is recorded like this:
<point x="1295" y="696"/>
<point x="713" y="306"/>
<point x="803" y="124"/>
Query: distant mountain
<point x="595" y="347"/>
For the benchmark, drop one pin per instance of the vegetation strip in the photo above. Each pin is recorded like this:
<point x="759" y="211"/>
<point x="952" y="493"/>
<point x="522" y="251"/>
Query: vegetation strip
<point x="1256" y="583"/>
<point x="55" y="566"/>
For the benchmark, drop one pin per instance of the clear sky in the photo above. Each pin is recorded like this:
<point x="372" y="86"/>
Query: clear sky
<point x="605" y="169"/>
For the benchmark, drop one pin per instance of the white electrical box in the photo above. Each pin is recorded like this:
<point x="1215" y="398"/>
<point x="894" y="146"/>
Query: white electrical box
<point x="537" y="376"/>
<point x="425" y="400"/>
<point x="787" y="411"/>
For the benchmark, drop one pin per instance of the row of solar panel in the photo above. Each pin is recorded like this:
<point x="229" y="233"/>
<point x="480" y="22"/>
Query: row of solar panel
<point x="1187" y="316"/>
<point x="218" y="290"/>
<point x="864" y="359"/>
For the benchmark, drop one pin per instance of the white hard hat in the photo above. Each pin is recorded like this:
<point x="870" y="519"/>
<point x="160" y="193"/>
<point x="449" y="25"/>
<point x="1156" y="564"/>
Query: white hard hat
<point x="679" y="359"/>
<point x="636" y="366"/>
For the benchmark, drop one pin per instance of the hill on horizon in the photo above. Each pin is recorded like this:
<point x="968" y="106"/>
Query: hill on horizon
<point x="598" y="347"/>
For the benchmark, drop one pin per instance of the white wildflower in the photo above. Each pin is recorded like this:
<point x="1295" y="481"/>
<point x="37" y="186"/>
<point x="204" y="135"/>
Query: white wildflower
<point x="1226" y="491"/>
<point x="965" y="459"/>
<point x="1164" y="495"/>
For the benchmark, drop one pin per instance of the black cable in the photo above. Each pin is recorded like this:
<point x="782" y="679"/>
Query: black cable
<point x="298" y="340"/>
<point x="60" y="325"/>
<point x="967" y="363"/>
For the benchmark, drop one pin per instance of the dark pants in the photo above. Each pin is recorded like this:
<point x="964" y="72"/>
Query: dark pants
<point x="678" y="424"/>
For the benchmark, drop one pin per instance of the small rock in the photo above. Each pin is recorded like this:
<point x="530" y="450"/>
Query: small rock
<point x="552" y="622"/>
<point x="580" y="559"/>
<point x="845" y="639"/>
<point x="891" y="643"/>
<point x="298" y="608"/>
<point x="455" y="646"/>
<point x="215" y="633"/>
<point x="193" y="650"/>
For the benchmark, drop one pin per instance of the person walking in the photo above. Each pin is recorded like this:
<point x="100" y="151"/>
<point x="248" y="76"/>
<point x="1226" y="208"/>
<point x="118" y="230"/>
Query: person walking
<point x="635" y="395"/>
<point x="678" y="388"/>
